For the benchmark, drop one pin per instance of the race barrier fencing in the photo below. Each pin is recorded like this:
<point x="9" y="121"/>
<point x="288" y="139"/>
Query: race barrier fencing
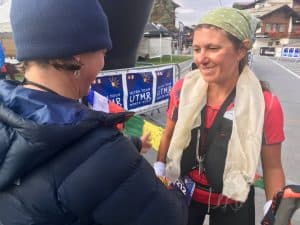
<point x="138" y="89"/>
<point x="291" y="52"/>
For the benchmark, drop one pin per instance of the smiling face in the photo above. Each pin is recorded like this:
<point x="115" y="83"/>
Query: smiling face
<point x="216" y="56"/>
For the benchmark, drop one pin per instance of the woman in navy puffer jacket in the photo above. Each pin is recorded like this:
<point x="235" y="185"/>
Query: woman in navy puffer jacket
<point x="60" y="162"/>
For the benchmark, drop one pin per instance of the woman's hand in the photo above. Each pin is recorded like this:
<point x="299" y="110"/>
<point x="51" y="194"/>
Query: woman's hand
<point x="146" y="144"/>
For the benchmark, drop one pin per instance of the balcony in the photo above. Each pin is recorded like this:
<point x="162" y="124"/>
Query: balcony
<point x="278" y="35"/>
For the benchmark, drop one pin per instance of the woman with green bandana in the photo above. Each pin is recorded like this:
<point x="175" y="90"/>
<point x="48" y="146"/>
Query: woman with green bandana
<point x="220" y="120"/>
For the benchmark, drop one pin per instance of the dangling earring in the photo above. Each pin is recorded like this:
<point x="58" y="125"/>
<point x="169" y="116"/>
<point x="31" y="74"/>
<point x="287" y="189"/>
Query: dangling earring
<point x="77" y="65"/>
<point x="76" y="74"/>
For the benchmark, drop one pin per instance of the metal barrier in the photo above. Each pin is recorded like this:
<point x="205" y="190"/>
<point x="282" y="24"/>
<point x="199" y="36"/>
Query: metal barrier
<point x="181" y="69"/>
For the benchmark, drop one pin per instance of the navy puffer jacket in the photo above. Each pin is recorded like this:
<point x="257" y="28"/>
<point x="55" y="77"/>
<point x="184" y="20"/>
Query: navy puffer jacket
<point x="62" y="163"/>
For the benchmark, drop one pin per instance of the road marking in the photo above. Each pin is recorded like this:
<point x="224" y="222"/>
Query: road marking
<point x="283" y="67"/>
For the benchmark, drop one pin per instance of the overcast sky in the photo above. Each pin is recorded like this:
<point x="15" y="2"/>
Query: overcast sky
<point x="189" y="13"/>
<point x="192" y="10"/>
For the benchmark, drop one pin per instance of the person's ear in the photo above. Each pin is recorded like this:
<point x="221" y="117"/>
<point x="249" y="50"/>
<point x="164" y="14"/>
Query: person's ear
<point x="77" y="61"/>
<point x="246" y="44"/>
<point x="77" y="58"/>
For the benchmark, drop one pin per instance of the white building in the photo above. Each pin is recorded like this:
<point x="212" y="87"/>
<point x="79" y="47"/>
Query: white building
<point x="4" y="16"/>
<point x="155" y="43"/>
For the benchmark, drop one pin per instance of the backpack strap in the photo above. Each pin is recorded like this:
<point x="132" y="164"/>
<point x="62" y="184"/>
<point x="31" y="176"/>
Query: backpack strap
<point x="213" y="146"/>
<point x="217" y="122"/>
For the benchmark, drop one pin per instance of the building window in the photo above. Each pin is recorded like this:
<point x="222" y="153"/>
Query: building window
<point x="275" y="27"/>
<point x="268" y="27"/>
<point x="277" y="43"/>
<point x="282" y="27"/>
<point x="270" y="43"/>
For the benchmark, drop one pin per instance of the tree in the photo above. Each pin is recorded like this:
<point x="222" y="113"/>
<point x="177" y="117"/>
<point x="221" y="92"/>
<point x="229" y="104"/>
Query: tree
<point x="163" y="12"/>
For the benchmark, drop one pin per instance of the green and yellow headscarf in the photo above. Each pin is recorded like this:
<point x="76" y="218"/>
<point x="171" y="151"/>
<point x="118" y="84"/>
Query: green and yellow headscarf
<point x="239" y="23"/>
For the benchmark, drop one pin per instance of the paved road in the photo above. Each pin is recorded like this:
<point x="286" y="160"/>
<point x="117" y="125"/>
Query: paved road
<point x="292" y="65"/>
<point x="286" y="85"/>
<point x="284" y="79"/>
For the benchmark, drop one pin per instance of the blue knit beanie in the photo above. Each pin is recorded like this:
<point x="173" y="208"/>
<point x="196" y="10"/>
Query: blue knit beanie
<point x="51" y="29"/>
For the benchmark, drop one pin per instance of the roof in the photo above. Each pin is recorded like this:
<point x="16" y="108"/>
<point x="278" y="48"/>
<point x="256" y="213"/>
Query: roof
<point x="152" y="29"/>
<point x="245" y="5"/>
<point x="264" y="11"/>
<point x="175" y="4"/>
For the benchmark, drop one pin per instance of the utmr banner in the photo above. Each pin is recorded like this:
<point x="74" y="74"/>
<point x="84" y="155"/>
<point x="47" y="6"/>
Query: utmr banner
<point x="137" y="89"/>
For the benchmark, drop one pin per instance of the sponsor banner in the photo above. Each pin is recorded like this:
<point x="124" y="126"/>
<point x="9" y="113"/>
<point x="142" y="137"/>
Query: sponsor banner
<point x="2" y="56"/>
<point x="110" y="86"/>
<point x="292" y="52"/>
<point x="164" y="83"/>
<point x="296" y="52"/>
<point x="137" y="89"/>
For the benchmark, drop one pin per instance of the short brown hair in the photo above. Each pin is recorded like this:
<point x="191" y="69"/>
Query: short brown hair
<point x="69" y="64"/>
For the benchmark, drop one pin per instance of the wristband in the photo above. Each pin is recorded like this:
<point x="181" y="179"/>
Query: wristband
<point x="159" y="168"/>
<point x="267" y="206"/>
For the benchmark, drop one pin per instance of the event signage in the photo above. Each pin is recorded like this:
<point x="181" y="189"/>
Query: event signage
<point x="164" y="83"/>
<point x="110" y="86"/>
<point x="292" y="52"/>
<point x="2" y="56"/>
<point x="137" y="89"/>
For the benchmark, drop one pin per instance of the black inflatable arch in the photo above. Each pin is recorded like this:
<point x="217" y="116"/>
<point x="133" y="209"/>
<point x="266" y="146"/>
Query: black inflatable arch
<point x="127" y="19"/>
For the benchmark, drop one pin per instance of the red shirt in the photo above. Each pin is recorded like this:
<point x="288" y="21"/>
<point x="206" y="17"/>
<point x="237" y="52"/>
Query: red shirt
<point x="272" y="132"/>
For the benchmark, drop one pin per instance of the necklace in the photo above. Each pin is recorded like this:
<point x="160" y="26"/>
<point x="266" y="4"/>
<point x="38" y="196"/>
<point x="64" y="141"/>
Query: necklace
<point x="202" y="133"/>
<point x="28" y="82"/>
